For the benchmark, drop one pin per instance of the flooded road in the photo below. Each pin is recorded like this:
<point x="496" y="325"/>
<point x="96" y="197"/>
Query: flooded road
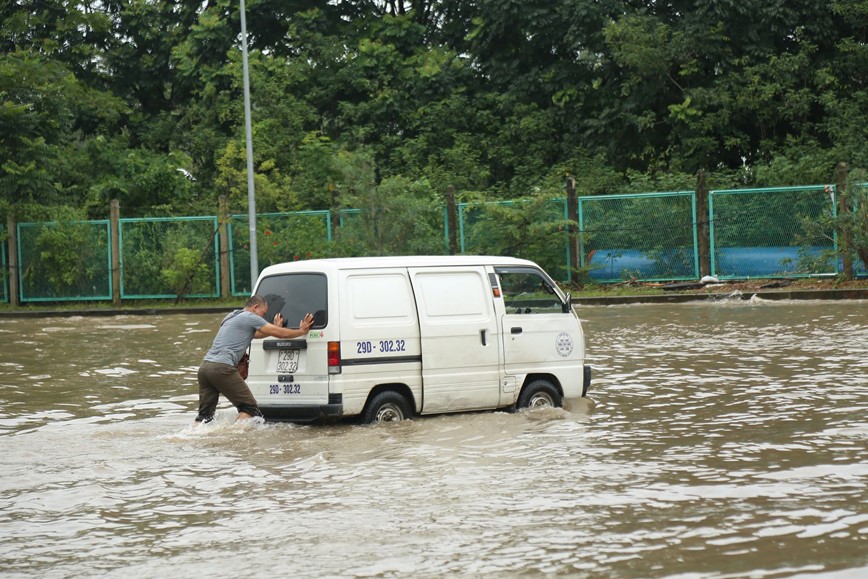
<point x="722" y="439"/>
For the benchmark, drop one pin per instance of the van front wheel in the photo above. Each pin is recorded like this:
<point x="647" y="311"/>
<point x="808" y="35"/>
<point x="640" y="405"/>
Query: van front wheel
<point x="540" y="393"/>
<point x="388" y="406"/>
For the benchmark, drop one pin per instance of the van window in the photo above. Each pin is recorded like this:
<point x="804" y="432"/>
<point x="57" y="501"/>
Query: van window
<point x="382" y="297"/>
<point x="526" y="291"/>
<point x="294" y="295"/>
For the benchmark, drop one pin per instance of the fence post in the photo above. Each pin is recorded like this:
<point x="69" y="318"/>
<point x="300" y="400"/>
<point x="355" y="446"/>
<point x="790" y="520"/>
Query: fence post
<point x="114" y="220"/>
<point x="223" y="245"/>
<point x="335" y="211"/>
<point x="844" y="247"/>
<point x="702" y="232"/>
<point x="12" y="244"/>
<point x="452" y="220"/>
<point x="573" y="216"/>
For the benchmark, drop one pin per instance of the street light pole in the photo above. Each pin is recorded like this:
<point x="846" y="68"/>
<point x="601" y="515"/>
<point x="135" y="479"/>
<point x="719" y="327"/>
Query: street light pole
<point x="251" y="193"/>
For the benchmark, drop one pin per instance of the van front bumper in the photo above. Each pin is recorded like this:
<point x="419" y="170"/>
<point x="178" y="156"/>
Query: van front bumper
<point x="586" y="380"/>
<point x="305" y="413"/>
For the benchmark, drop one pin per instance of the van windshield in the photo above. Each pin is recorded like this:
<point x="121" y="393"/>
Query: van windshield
<point x="294" y="295"/>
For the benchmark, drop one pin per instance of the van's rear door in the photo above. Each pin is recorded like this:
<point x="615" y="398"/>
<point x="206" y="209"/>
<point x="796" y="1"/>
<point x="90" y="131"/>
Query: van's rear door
<point x="459" y="330"/>
<point x="292" y="373"/>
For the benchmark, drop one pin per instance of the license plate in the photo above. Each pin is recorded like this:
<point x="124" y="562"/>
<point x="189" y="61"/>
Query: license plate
<point x="287" y="361"/>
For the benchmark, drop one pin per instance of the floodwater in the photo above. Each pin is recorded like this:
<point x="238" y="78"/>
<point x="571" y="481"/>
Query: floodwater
<point x="722" y="439"/>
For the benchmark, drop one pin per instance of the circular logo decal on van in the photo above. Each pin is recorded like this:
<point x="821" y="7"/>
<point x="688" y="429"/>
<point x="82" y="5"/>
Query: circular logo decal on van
<point x="564" y="344"/>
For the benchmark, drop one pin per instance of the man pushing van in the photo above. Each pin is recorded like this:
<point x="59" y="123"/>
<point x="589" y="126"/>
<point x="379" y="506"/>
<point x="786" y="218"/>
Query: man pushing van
<point x="218" y="373"/>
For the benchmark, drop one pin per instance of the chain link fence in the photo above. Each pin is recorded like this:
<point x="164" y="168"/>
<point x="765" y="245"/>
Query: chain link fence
<point x="64" y="261"/>
<point x="764" y="232"/>
<point x="773" y="232"/>
<point x="167" y="257"/>
<point x="649" y="236"/>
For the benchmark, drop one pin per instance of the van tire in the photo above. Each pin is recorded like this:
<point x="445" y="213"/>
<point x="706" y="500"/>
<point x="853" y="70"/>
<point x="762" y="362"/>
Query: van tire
<point x="387" y="406"/>
<point x="540" y="393"/>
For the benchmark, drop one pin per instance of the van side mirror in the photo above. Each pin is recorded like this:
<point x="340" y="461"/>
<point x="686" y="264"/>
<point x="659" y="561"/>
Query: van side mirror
<point x="568" y="303"/>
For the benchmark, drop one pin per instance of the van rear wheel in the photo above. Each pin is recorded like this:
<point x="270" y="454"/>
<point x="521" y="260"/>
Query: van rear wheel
<point x="540" y="393"/>
<point x="388" y="406"/>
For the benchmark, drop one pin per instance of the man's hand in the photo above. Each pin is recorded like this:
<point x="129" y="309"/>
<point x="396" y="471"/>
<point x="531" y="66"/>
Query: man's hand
<point x="305" y="323"/>
<point x="276" y="329"/>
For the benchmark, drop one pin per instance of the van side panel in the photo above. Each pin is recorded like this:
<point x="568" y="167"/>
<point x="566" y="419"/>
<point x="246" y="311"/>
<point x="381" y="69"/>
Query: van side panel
<point x="545" y="344"/>
<point x="460" y="353"/>
<point x="380" y="341"/>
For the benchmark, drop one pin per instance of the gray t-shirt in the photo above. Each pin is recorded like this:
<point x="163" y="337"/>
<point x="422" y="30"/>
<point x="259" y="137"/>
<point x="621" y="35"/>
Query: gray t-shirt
<point x="234" y="337"/>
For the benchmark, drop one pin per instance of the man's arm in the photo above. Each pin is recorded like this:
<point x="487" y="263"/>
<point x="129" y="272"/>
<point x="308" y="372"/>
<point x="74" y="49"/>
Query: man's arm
<point x="276" y="330"/>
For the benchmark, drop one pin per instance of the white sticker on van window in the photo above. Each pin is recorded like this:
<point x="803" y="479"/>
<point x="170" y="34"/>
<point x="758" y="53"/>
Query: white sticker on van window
<point x="564" y="344"/>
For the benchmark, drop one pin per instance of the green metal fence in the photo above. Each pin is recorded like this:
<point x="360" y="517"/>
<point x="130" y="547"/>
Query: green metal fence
<point x="765" y="232"/>
<point x="772" y="232"/>
<point x="64" y="261"/>
<point x="649" y="236"/>
<point x="166" y="257"/>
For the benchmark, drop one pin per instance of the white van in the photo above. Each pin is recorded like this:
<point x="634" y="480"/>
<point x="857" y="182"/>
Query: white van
<point x="395" y="337"/>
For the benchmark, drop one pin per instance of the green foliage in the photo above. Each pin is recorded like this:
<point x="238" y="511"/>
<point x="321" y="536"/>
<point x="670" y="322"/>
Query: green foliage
<point x="316" y="173"/>
<point x="273" y="189"/>
<point x="500" y="98"/>
<point x="290" y="238"/>
<point x="102" y="169"/>
<point x="797" y="165"/>
<point x="396" y="217"/>
<point x="532" y="227"/>
<point x="185" y="272"/>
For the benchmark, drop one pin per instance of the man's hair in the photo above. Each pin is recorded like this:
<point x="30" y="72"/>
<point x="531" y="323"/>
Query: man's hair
<point x="255" y="300"/>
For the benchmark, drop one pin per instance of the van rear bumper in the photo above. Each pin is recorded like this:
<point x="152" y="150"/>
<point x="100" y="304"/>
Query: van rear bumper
<point x="586" y="380"/>
<point x="305" y="413"/>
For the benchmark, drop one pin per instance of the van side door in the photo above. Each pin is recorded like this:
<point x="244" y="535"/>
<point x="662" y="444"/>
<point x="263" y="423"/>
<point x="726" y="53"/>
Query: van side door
<point x="460" y="338"/>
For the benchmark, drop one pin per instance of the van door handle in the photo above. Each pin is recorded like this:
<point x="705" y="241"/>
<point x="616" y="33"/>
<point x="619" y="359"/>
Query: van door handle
<point x="482" y="336"/>
<point x="515" y="330"/>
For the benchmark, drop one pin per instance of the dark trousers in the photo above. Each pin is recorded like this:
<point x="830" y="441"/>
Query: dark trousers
<point x="216" y="379"/>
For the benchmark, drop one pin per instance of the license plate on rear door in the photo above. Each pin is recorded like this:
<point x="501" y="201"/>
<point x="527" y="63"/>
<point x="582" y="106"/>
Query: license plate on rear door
<point x="287" y="361"/>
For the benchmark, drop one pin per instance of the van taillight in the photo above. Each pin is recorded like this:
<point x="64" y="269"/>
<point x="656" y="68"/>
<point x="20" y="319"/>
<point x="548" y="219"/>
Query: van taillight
<point x="334" y="353"/>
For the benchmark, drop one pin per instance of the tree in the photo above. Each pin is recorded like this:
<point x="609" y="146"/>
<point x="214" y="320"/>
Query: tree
<point x="43" y="114"/>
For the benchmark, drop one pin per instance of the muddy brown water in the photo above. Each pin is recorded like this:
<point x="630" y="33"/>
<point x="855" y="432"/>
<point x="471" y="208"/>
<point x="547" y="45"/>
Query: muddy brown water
<point x="721" y="439"/>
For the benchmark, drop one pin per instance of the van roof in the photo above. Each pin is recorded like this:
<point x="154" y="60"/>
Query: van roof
<point x="394" y="261"/>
